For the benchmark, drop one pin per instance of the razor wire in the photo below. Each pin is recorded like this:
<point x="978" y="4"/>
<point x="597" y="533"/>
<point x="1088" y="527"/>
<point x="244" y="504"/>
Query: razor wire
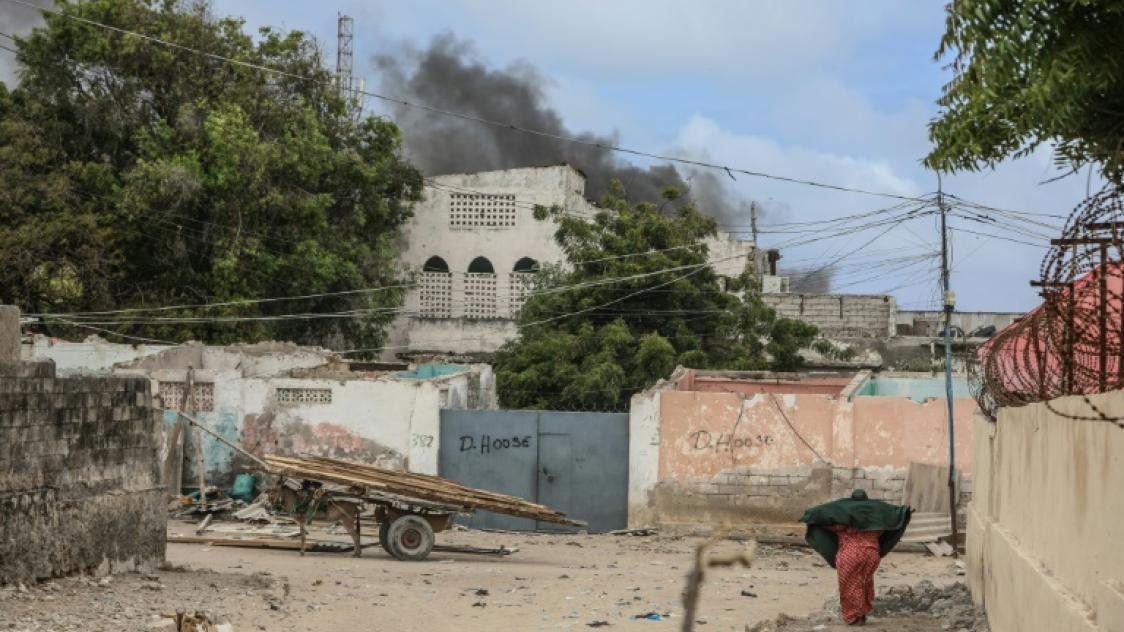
<point x="1073" y="343"/>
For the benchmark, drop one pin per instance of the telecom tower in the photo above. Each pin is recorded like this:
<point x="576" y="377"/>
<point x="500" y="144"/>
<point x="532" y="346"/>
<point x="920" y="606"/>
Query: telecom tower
<point x="344" y="36"/>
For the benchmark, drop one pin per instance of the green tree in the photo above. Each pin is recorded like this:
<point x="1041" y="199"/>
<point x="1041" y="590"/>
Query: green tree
<point x="636" y="298"/>
<point x="135" y="175"/>
<point x="1029" y="72"/>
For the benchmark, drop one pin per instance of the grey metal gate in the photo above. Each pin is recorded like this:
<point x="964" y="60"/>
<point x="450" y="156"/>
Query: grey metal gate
<point x="574" y="462"/>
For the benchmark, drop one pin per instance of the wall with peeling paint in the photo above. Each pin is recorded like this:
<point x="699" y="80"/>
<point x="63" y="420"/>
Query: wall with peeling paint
<point x="92" y="356"/>
<point x="278" y="398"/>
<point x="766" y="457"/>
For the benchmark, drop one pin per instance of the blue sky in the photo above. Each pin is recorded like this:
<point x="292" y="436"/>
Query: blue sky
<point x="832" y="91"/>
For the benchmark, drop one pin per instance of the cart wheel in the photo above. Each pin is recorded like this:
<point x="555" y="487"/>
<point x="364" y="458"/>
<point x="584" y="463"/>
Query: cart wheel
<point x="384" y="541"/>
<point x="410" y="538"/>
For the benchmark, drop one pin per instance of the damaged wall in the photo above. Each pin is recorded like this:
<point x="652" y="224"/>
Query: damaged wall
<point x="713" y="457"/>
<point x="839" y="315"/>
<point x="91" y="356"/>
<point x="282" y="398"/>
<point x="79" y="474"/>
<point x="391" y="423"/>
<point x="1047" y="518"/>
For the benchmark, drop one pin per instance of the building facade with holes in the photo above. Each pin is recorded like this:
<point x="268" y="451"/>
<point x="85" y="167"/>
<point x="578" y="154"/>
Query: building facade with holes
<point x="281" y="398"/>
<point x="473" y="247"/>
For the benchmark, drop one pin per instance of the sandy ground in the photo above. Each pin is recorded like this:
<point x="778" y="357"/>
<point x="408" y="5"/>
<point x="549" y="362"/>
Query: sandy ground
<point x="554" y="582"/>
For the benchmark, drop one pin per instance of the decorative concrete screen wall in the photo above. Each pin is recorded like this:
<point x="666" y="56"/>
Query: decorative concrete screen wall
<point x="79" y="474"/>
<point x="480" y="295"/>
<point x="435" y="293"/>
<point x="839" y="315"/>
<point x="1047" y="518"/>
<point x="707" y="457"/>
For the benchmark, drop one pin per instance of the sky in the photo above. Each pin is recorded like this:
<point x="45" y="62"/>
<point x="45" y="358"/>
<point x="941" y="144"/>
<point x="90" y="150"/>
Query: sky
<point x="831" y="91"/>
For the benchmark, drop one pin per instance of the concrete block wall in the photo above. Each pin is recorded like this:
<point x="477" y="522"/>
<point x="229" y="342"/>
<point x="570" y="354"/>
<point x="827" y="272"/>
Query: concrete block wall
<point x="80" y="486"/>
<point x="839" y="315"/>
<point x="767" y="495"/>
<point x="751" y="495"/>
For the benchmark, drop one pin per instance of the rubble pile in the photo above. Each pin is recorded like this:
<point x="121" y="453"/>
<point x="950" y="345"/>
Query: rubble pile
<point x="951" y="604"/>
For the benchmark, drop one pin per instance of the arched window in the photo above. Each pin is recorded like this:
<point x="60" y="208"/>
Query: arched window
<point x="480" y="289"/>
<point x="521" y="281"/>
<point x="481" y="265"/>
<point x="435" y="264"/>
<point x="436" y="288"/>
<point x="526" y="264"/>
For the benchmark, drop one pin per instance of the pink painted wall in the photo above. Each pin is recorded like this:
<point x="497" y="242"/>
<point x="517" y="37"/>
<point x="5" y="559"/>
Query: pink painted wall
<point x="701" y="434"/>
<point x="895" y="431"/>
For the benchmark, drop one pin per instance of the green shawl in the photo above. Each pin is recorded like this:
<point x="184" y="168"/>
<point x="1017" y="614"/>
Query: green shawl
<point x="859" y="513"/>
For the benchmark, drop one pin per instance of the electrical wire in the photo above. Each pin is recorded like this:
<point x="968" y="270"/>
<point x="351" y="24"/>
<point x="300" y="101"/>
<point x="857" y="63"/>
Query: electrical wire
<point x="729" y="170"/>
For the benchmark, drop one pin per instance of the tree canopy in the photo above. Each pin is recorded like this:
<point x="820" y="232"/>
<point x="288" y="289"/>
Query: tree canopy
<point x="636" y="298"/>
<point x="135" y="175"/>
<point x="1029" y="72"/>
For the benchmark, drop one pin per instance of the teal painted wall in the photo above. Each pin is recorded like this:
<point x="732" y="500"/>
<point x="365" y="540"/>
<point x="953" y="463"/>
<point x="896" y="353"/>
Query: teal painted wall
<point x="216" y="455"/>
<point x="917" y="389"/>
<point x="429" y="371"/>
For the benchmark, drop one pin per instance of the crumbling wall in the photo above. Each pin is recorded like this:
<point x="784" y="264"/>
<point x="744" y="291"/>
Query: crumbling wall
<point x="839" y="315"/>
<point x="1047" y="518"/>
<point x="80" y="483"/>
<point x="727" y="457"/>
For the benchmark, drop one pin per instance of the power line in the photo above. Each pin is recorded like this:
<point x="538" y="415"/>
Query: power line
<point x="1012" y="240"/>
<point x="478" y="119"/>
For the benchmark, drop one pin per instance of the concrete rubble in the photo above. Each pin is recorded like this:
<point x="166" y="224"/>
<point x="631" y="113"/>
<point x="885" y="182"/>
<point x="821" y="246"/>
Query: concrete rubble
<point x="951" y="605"/>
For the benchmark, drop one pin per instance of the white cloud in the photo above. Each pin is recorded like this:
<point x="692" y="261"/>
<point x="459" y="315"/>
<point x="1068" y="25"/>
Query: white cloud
<point x="717" y="36"/>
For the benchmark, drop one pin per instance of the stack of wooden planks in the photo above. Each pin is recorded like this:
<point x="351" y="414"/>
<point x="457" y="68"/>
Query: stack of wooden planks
<point x="420" y="486"/>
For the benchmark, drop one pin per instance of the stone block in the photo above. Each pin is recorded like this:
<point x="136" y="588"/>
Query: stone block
<point x="891" y="485"/>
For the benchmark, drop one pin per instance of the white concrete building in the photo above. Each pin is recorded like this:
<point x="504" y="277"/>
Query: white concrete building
<point x="275" y="397"/>
<point x="473" y="246"/>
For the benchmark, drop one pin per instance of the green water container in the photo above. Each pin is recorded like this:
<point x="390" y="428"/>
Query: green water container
<point x="243" y="487"/>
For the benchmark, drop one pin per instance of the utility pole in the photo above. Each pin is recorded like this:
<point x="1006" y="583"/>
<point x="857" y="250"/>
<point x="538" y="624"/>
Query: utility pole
<point x="345" y="30"/>
<point x="949" y="305"/>
<point x="753" y="221"/>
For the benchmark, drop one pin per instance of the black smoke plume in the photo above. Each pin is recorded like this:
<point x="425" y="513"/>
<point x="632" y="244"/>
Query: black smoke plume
<point x="448" y="76"/>
<point x="816" y="281"/>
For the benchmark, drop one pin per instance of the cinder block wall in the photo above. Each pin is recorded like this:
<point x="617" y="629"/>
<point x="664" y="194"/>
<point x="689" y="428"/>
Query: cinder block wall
<point x="769" y="495"/>
<point x="839" y="315"/>
<point x="80" y="486"/>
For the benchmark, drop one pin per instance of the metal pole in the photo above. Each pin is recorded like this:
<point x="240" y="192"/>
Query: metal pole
<point x="949" y="305"/>
<point x="1102" y="318"/>
<point x="753" y="221"/>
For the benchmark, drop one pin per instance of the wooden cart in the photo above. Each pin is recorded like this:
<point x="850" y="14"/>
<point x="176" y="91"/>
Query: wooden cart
<point x="409" y="508"/>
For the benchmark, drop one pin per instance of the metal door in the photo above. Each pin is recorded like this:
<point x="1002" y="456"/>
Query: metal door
<point x="493" y="450"/>
<point x="556" y="476"/>
<point x="598" y="466"/>
<point x="574" y="462"/>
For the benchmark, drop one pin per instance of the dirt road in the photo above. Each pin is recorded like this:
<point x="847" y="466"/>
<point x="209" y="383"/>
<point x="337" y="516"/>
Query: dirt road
<point x="554" y="582"/>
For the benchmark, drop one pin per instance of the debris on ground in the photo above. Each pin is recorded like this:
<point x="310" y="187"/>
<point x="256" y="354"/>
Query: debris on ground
<point x="643" y="531"/>
<point x="951" y="604"/>
<point x="182" y="622"/>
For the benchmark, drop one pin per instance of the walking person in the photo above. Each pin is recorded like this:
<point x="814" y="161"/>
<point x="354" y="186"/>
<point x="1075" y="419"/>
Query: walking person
<point x="853" y="535"/>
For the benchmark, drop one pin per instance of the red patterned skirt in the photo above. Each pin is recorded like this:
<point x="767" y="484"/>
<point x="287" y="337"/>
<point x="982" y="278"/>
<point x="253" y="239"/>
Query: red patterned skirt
<point x="856" y="562"/>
